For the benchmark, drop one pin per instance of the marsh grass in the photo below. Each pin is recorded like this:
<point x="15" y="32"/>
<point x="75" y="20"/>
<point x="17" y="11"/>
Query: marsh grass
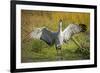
<point x="38" y="51"/>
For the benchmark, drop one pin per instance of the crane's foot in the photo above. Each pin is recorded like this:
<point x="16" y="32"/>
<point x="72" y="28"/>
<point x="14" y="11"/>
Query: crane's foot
<point x="58" y="58"/>
<point x="59" y="54"/>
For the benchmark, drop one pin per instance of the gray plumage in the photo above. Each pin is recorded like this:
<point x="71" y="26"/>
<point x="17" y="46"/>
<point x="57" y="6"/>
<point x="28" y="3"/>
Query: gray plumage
<point x="59" y="37"/>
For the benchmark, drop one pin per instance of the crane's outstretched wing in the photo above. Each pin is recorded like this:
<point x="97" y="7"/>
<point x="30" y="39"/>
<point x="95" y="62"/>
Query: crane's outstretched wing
<point x="73" y="29"/>
<point x="43" y="34"/>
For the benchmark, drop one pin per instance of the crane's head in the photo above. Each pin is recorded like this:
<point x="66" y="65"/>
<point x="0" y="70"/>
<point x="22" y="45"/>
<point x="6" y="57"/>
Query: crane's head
<point x="60" y="23"/>
<point x="83" y="27"/>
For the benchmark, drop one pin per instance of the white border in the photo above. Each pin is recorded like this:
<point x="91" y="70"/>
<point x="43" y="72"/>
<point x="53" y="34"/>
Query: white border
<point x="57" y="63"/>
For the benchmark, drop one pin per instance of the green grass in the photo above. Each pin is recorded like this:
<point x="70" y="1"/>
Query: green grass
<point x="39" y="51"/>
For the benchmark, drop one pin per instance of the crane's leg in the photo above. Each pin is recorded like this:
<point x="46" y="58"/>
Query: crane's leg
<point x="59" y="53"/>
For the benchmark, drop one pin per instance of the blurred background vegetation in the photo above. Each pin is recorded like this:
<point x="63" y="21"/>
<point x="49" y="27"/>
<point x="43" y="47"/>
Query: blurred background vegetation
<point x="38" y="51"/>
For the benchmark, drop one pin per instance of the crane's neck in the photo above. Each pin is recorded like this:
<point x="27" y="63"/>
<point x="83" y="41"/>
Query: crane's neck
<point x="60" y="26"/>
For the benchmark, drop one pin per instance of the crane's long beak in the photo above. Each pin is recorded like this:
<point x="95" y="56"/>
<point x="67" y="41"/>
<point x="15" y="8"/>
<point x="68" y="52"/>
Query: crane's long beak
<point x="84" y="27"/>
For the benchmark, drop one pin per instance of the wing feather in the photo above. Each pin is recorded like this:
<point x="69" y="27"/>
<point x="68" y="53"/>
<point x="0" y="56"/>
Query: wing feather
<point x="43" y="34"/>
<point x="69" y="31"/>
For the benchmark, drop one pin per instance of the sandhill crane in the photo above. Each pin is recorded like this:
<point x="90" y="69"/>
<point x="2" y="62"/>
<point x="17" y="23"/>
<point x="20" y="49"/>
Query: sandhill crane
<point x="59" y="37"/>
